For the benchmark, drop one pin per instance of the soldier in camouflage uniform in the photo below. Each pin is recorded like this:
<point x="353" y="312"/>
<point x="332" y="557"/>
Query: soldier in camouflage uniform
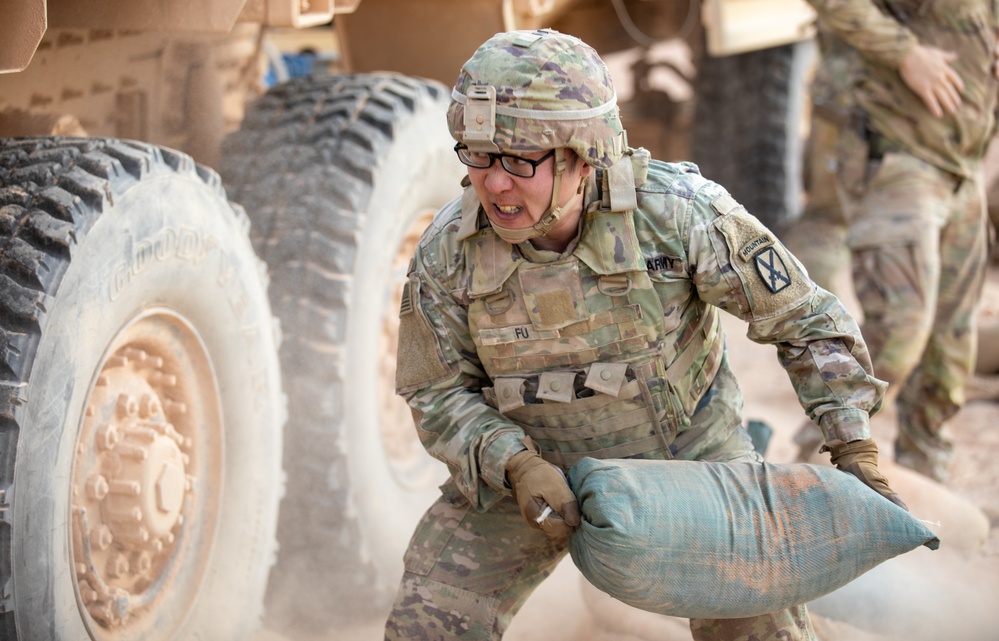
<point x="568" y="306"/>
<point x="818" y="236"/>
<point x="915" y="198"/>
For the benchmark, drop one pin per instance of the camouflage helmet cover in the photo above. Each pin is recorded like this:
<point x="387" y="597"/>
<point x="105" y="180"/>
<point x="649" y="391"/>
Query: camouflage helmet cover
<point x="537" y="90"/>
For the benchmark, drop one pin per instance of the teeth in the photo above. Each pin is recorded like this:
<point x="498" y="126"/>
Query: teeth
<point x="513" y="209"/>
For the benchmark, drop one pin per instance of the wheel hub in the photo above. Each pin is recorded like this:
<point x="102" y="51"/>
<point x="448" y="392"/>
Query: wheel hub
<point x="136" y="476"/>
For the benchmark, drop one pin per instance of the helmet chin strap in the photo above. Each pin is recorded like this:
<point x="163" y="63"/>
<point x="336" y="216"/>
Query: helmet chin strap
<point x="551" y="217"/>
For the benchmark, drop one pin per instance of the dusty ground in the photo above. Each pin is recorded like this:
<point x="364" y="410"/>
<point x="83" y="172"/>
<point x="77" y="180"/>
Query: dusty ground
<point x="946" y="595"/>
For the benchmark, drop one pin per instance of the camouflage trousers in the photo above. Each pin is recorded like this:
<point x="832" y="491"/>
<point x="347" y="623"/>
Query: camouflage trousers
<point x="468" y="573"/>
<point x="918" y="242"/>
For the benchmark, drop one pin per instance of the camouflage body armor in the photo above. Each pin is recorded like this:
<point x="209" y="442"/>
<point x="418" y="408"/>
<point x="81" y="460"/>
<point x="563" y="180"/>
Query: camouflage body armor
<point x="575" y="349"/>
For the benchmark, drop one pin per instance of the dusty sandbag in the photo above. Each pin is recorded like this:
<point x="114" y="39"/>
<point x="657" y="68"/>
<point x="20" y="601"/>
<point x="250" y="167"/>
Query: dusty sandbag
<point x="721" y="540"/>
<point x="951" y="516"/>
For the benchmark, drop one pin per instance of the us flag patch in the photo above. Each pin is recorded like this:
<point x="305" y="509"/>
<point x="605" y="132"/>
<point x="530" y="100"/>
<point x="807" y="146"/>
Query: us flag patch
<point x="406" y="306"/>
<point x="771" y="268"/>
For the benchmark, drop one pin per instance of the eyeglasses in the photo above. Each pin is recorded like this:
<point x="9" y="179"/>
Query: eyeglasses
<point x="520" y="167"/>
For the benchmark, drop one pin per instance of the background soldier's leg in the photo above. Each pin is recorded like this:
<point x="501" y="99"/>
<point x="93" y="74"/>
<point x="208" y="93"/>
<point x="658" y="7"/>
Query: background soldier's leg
<point x="894" y="241"/>
<point x="467" y="573"/>
<point x="935" y="392"/>
<point x="792" y="624"/>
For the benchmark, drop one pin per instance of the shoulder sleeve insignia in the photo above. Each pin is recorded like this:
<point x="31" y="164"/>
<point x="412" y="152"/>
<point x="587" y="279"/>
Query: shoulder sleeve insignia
<point x="773" y="280"/>
<point x="755" y="245"/>
<point x="771" y="268"/>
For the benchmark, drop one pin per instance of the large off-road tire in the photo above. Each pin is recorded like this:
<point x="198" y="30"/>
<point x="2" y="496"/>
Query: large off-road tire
<point x="140" y="401"/>
<point x="748" y="127"/>
<point x="340" y="175"/>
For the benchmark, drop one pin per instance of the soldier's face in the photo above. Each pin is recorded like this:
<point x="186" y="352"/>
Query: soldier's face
<point x="518" y="203"/>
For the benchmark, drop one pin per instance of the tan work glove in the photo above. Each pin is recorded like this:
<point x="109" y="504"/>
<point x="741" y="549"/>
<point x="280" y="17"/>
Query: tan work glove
<point x="537" y="484"/>
<point x="860" y="458"/>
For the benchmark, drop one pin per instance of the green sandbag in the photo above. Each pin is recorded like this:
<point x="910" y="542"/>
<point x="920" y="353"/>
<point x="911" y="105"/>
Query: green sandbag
<point x="712" y="540"/>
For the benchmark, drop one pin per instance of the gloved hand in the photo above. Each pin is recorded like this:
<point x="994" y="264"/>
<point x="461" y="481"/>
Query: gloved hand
<point x="538" y="484"/>
<point x="860" y="458"/>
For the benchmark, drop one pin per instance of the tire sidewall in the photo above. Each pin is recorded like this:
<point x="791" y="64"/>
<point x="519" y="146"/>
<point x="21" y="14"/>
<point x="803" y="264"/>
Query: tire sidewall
<point x="168" y="241"/>
<point x="419" y="173"/>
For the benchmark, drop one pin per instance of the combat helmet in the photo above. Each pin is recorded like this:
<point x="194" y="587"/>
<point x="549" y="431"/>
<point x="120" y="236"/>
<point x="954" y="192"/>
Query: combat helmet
<point x="526" y="91"/>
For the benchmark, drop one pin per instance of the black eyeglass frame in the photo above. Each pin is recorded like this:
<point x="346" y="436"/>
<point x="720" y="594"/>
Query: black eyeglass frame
<point x="465" y="160"/>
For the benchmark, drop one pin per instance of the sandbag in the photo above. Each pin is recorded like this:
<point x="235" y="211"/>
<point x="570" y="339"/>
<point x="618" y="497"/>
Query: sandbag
<point x="723" y="540"/>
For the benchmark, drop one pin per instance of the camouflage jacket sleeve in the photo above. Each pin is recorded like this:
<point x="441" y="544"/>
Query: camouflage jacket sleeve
<point x="440" y="376"/>
<point x="861" y="23"/>
<point x="740" y="266"/>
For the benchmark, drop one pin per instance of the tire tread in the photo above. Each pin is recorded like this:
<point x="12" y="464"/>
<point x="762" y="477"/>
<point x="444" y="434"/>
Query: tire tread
<point x="52" y="190"/>
<point x="303" y="165"/>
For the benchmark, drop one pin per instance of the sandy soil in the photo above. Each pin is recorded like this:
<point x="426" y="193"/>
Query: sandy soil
<point x="949" y="594"/>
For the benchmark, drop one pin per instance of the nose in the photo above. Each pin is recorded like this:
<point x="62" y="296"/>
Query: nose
<point x="497" y="179"/>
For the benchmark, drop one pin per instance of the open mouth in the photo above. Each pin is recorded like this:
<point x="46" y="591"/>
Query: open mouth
<point x="507" y="212"/>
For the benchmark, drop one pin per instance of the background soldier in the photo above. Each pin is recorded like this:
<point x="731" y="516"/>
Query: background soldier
<point x="567" y="305"/>
<point x="818" y="236"/>
<point x="912" y="179"/>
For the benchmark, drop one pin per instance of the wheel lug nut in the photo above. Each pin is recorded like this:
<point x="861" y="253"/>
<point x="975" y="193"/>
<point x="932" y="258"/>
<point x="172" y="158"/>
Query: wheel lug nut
<point x="117" y="566"/>
<point x="107" y="437"/>
<point x="127" y="405"/>
<point x="127" y="488"/>
<point x="143" y="562"/>
<point x="149" y="406"/>
<point x="133" y="451"/>
<point x="97" y="487"/>
<point x="164" y="380"/>
<point x="88" y="594"/>
<point x="101" y="537"/>
<point x="177" y="407"/>
<point x="137" y="355"/>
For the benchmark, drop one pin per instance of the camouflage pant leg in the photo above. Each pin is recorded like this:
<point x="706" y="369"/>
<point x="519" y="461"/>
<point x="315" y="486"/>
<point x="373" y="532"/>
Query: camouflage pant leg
<point x="792" y="624"/>
<point x="936" y="390"/>
<point x="467" y="572"/>
<point x="918" y="243"/>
